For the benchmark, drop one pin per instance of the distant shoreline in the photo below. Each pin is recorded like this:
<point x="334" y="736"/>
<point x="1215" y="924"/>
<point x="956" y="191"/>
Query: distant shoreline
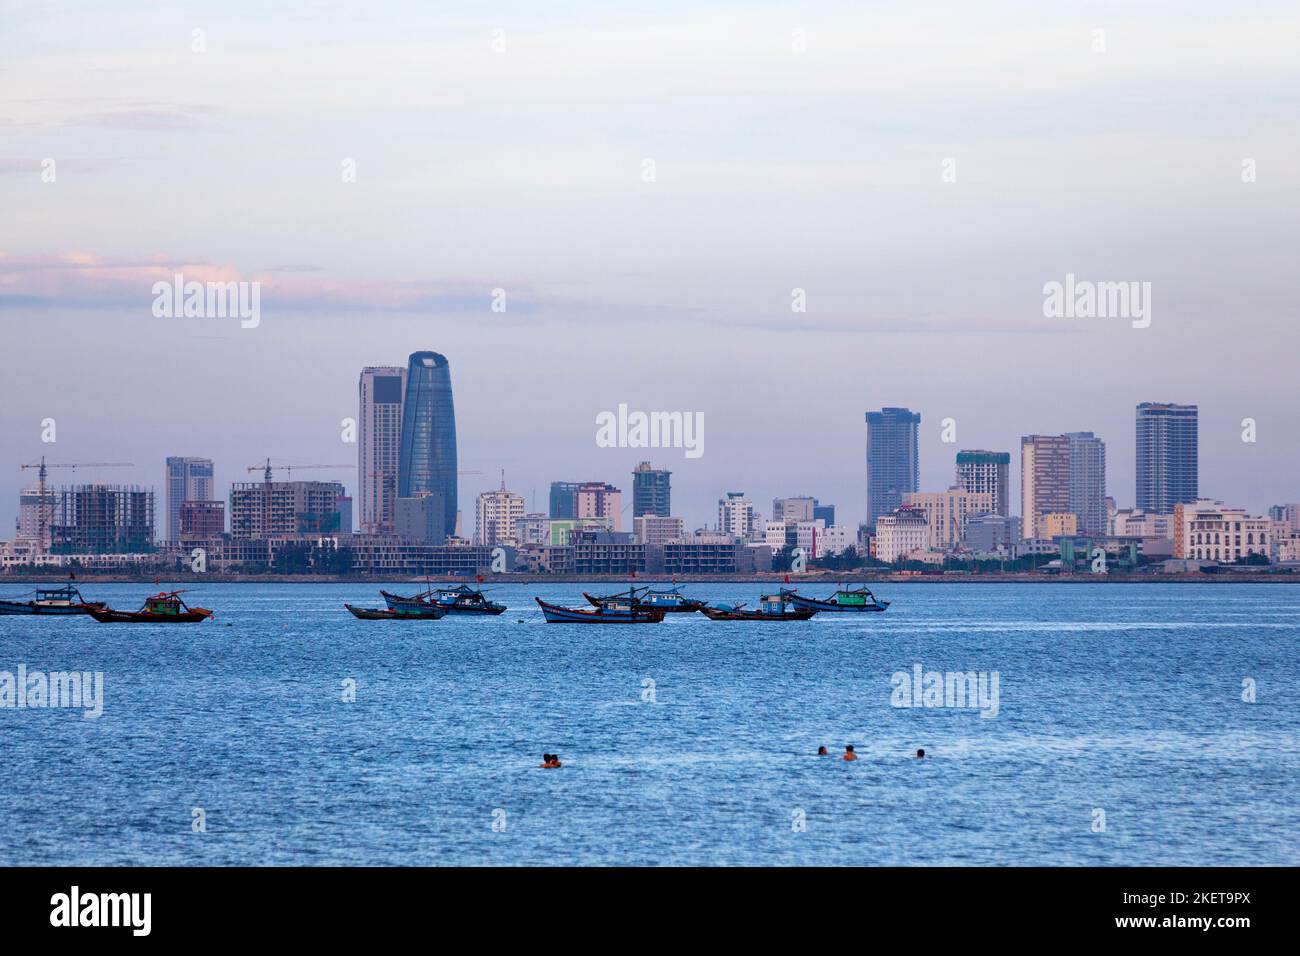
<point x="821" y="580"/>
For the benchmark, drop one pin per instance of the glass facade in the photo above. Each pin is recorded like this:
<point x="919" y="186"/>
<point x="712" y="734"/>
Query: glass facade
<point x="1167" y="456"/>
<point x="893" y="459"/>
<point x="427" y="457"/>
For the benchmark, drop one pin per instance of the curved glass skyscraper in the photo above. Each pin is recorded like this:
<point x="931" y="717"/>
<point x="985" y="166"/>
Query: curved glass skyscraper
<point x="427" y="457"/>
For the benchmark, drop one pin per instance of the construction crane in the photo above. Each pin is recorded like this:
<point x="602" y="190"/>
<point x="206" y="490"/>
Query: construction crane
<point x="267" y="470"/>
<point x="42" y="521"/>
<point x="287" y="469"/>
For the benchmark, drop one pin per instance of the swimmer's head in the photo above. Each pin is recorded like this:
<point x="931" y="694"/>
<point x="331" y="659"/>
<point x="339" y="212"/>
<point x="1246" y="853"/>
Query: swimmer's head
<point x="920" y="753"/>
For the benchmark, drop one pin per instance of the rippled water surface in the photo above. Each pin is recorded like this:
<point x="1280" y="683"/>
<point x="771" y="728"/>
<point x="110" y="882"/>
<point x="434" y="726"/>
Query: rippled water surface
<point x="1125" y="699"/>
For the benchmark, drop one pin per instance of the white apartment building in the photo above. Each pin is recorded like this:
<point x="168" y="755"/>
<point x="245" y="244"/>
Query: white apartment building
<point x="1136" y="523"/>
<point x="948" y="511"/>
<point x="737" y="517"/>
<point x="533" y="529"/>
<point x="900" y="532"/>
<point x="497" y="516"/>
<point x="657" y="529"/>
<point x="1206" y="530"/>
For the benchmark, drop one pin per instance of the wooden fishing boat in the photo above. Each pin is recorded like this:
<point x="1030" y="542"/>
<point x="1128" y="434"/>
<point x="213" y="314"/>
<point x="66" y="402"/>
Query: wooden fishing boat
<point x="845" y="599"/>
<point x="426" y="613"/>
<point x="53" y="601"/>
<point x="771" y="607"/>
<point x="461" y="599"/>
<point x="668" y="600"/>
<point x="612" y="612"/>
<point x="164" y="608"/>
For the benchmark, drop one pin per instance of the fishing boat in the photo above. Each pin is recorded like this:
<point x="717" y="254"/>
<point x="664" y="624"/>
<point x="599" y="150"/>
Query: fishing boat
<point x="771" y="607"/>
<point x="428" y="612"/>
<point x="164" y="608"/>
<point x="668" y="600"/>
<point x="845" y="599"/>
<point x="461" y="599"/>
<point x="611" y="612"/>
<point x="62" y="601"/>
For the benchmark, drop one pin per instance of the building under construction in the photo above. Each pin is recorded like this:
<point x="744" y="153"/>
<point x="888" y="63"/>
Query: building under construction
<point x="267" y="509"/>
<point x="102" y="519"/>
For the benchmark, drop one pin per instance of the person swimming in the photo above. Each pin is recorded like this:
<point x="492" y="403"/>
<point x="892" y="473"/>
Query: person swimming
<point x="920" y="753"/>
<point x="848" y="753"/>
<point x="822" y="751"/>
<point x="555" y="761"/>
<point x="550" y="761"/>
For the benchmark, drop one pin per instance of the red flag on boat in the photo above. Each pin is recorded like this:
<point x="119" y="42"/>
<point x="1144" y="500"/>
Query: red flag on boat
<point x="787" y="579"/>
<point x="478" y="578"/>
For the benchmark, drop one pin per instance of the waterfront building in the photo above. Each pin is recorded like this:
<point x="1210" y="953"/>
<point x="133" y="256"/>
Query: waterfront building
<point x="1206" y="530"/>
<point x="948" y="512"/>
<point x="1044" y="479"/>
<point x="901" y="532"/>
<point x="30" y="506"/>
<point x="202" y="519"/>
<point x="102" y="519"/>
<point x="651" y="491"/>
<point x="496" y="516"/>
<point x="598" y="551"/>
<point x="1058" y="524"/>
<point x="736" y="516"/>
<point x="1167" y="463"/>
<point x="992" y="532"/>
<point x="1088" y="482"/>
<point x="188" y="479"/>
<point x="596" y="499"/>
<point x="893" y="459"/>
<point x="820" y="540"/>
<point x="267" y="509"/>
<point x="533" y="528"/>
<point x="707" y="553"/>
<point x="1136" y="523"/>
<point x="985" y="472"/>
<point x="657" y="529"/>
<point x="427" y="455"/>
<point x="562" y="528"/>
<point x="381" y="391"/>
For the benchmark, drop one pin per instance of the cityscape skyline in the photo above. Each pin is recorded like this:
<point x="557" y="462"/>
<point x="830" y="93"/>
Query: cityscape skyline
<point x="537" y="501"/>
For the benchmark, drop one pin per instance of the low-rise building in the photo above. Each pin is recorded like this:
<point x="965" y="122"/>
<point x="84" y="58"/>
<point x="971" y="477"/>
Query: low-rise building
<point x="948" y="511"/>
<point x="1207" y="530"/>
<point x="992" y="532"/>
<point x="901" y="531"/>
<point x="1058" y="524"/>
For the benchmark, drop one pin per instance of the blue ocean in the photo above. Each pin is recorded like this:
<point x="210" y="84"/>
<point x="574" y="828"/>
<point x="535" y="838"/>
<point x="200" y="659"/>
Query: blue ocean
<point x="1133" y="724"/>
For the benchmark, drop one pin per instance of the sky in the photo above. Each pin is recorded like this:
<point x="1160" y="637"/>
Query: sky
<point x="649" y="183"/>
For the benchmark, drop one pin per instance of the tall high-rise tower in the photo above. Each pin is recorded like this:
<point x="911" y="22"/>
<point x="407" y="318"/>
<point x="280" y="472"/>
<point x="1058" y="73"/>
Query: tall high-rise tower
<point x="1044" y="479"/>
<point x="427" y="456"/>
<point x="651" y="491"/>
<point x="1167" y="459"/>
<point x="188" y="479"/>
<point x="1088" y="481"/>
<point x="893" y="459"/>
<point x="379" y="439"/>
